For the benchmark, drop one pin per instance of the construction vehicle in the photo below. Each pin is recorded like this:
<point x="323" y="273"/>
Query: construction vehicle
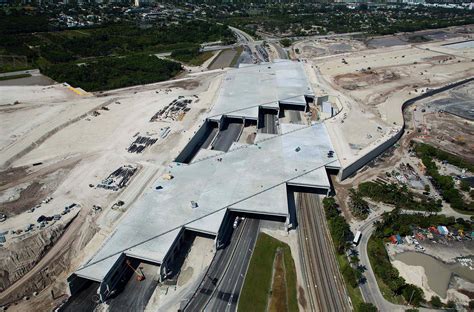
<point x="140" y="275"/>
<point x="167" y="176"/>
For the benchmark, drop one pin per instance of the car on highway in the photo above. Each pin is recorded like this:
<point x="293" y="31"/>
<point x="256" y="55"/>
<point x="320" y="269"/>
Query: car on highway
<point x="236" y="222"/>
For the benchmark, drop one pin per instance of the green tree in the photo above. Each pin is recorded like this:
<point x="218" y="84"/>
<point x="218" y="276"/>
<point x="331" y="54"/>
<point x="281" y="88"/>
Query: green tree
<point x="436" y="302"/>
<point x="367" y="307"/>
<point x="465" y="186"/>
<point x="351" y="275"/>
<point x="286" y="42"/>
<point x="359" y="206"/>
<point x="451" y="305"/>
<point x="413" y="294"/>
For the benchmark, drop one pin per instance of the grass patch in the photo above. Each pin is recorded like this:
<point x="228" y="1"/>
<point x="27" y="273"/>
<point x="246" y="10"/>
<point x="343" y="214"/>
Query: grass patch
<point x="15" y="77"/>
<point x="256" y="291"/>
<point x="354" y="292"/>
<point x="191" y="56"/>
<point x="10" y="68"/>
<point x="200" y="59"/>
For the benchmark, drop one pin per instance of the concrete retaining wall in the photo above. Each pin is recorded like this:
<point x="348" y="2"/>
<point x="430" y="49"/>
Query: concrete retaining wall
<point x="363" y="160"/>
<point x="193" y="146"/>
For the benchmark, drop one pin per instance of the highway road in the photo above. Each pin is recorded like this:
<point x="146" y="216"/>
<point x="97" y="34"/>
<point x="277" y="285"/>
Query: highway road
<point x="324" y="283"/>
<point x="242" y="36"/>
<point x="210" y="137"/>
<point x="227" y="294"/>
<point x="370" y="289"/>
<point x="315" y="37"/>
<point x="281" y="52"/>
<point x="294" y="116"/>
<point x="224" y="271"/>
<point x="259" y="54"/>
<point x="227" y="136"/>
<point x="269" y="123"/>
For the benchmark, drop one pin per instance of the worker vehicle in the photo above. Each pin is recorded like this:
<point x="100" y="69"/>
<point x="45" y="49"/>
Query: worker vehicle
<point x="357" y="238"/>
<point x="236" y="222"/>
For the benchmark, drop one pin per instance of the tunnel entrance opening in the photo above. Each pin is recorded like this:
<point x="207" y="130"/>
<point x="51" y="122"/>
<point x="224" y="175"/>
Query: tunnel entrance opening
<point x="268" y="121"/>
<point x="84" y="295"/>
<point x="136" y="284"/>
<point x="175" y="259"/>
<point x="294" y="114"/>
<point x="249" y="132"/>
<point x="230" y="131"/>
<point x="202" y="139"/>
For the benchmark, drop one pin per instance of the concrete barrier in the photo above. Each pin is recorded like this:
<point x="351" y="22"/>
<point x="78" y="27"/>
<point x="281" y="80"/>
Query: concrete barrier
<point x="369" y="156"/>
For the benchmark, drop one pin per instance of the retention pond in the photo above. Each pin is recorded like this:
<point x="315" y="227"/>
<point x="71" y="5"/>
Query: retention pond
<point x="437" y="272"/>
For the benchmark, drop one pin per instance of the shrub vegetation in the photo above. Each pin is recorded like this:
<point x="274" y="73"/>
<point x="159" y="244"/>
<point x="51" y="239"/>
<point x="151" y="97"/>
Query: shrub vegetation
<point x="444" y="183"/>
<point x="113" y="72"/>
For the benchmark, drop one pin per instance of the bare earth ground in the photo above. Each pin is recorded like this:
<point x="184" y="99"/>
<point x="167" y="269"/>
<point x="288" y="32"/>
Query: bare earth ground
<point x="325" y="47"/>
<point x="372" y="87"/>
<point x="442" y="129"/>
<point x="56" y="127"/>
<point x="278" y="298"/>
<point x="372" y="84"/>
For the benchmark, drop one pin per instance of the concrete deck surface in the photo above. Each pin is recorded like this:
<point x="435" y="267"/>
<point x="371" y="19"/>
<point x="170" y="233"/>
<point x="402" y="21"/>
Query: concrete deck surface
<point x="250" y="178"/>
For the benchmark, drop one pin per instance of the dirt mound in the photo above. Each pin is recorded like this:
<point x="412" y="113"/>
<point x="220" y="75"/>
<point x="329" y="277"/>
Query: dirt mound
<point x="18" y="258"/>
<point x="12" y="175"/>
<point x="34" y="261"/>
<point x="36" y="191"/>
<point x="365" y="78"/>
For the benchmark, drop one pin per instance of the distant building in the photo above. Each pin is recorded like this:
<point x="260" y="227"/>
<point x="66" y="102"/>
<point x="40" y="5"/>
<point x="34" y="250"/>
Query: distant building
<point x="414" y="1"/>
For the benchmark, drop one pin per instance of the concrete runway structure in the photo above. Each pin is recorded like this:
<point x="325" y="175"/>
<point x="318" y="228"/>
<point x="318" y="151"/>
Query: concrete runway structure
<point x="213" y="179"/>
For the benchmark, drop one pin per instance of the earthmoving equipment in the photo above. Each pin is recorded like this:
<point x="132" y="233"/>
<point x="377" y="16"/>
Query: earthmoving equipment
<point x="167" y="176"/>
<point x="140" y="275"/>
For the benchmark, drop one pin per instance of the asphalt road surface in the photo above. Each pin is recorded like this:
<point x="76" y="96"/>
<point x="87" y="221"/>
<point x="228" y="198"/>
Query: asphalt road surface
<point x="224" y="269"/>
<point x="136" y="294"/>
<point x="269" y="124"/>
<point x="210" y="137"/>
<point x="227" y="294"/>
<point x="281" y="52"/>
<point x="294" y="115"/>
<point x="324" y="284"/>
<point x="370" y="289"/>
<point x="227" y="136"/>
<point x="83" y="301"/>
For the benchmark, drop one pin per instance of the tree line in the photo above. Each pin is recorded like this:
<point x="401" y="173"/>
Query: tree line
<point x="400" y="197"/>
<point x="113" y="72"/>
<point x="444" y="183"/>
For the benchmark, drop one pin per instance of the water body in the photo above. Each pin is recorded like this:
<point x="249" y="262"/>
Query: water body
<point x="438" y="273"/>
<point x="461" y="45"/>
